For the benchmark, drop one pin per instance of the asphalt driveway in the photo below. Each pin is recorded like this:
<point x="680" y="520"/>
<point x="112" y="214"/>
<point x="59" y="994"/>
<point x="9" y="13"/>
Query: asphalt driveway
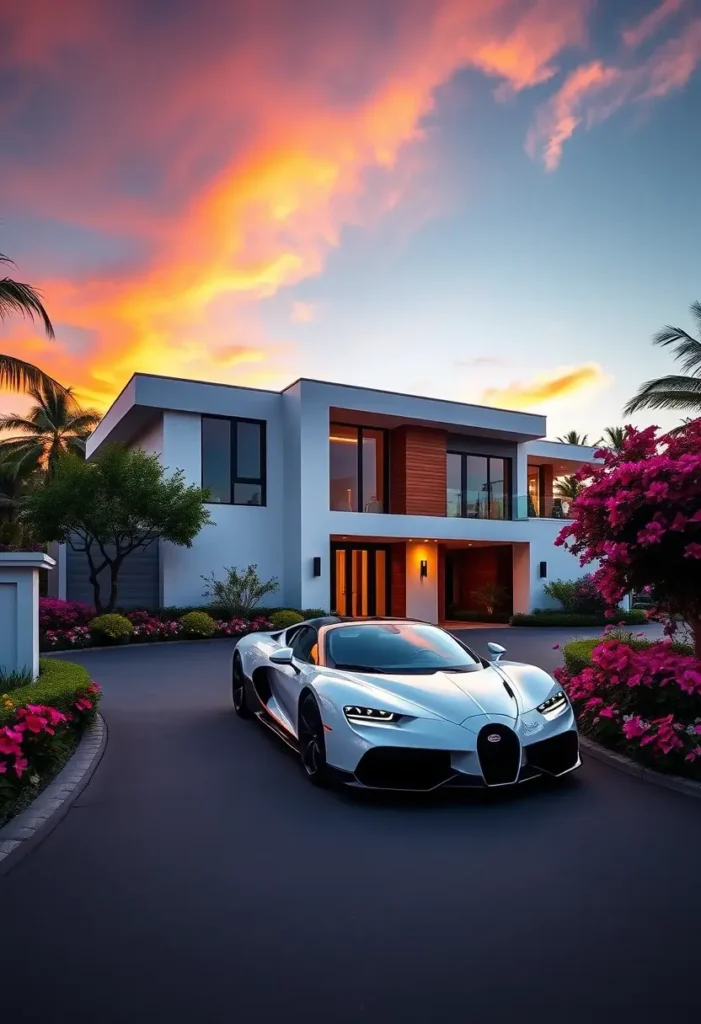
<point x="199" y="877"/>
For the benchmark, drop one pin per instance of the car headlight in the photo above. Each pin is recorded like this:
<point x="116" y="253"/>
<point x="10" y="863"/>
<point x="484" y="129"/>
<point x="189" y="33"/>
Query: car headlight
<point x="553" y="705"/>
<point x="369" y="716"/>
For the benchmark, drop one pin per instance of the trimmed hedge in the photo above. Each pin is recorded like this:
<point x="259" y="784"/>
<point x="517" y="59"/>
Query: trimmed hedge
<point x="466" y="615"/>
<point x="198" y="625"/>
<point x="555" y="618"/>
<point x="285" y="618"/>
<point x="577" y="653"/>
<point x="112" y="626"/>
<point x="57" y="685"/>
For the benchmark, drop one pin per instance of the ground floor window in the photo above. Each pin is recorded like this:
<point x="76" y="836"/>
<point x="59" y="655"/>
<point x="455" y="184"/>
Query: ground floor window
<point x="360" y="579"/>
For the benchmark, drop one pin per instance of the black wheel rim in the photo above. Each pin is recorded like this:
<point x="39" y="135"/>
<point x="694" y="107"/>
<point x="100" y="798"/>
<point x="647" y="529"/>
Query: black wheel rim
<point x="238" y="687"/>
<point x="310" y="740"/>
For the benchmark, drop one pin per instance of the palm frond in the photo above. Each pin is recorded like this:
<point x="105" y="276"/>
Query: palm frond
<point x="688" y="349"/>
<point x="13" y="422"/>
<point x="86" y="421"/>
<point x="673" y="392"/>
<point x="16" y="297"/>
<point x="18" y="375"/>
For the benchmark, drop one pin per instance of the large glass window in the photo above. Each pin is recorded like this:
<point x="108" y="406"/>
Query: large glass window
<point x="357" y="469"/>
<point x="233" y="460"/>
<point x="478" y="486"/>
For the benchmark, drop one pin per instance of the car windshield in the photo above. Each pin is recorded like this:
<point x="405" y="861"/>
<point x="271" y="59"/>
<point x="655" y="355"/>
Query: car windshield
<point x="400" y="647"/>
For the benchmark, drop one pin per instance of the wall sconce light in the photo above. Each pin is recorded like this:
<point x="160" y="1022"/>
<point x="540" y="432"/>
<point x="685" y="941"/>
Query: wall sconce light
<point x="543" y="570"/>
<point x="423" y="571"/>
<point x="317" y="566"/>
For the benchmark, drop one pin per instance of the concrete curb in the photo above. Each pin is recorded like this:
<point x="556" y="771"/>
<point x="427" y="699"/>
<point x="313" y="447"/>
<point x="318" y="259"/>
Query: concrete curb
<point x="630" y="767"/>
<point x="36" y="822"/>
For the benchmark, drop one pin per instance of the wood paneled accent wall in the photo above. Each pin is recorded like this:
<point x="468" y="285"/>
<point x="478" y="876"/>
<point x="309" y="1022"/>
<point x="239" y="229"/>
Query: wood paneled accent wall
<point x="398" y="580"/>
<point x="418" y="471"/>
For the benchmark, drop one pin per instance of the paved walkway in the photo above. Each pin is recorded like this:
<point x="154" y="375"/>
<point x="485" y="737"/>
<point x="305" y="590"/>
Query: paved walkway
<point x="200" y="878"/>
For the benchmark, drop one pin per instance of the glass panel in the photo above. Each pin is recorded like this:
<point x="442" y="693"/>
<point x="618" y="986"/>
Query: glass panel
<point x="477" y="487"/>
<point x="216" y="458"/>
<point x="343" y="468"/>
<point x="454" y="482"/>
<point x="340" y="595"/>
<point x="533" y="491"/>
<point x="248" y="494"/>
<point x="498" y="488"/>
<point x="373" y="470"/>
<point x="359" y="581"/>
<point x="248" y="451"/>
<point x="398" y="647"/>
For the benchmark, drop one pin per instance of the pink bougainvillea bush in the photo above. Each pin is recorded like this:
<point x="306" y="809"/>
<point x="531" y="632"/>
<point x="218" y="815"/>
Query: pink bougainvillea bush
<point x="37" y="738"/>
<point x="644" y="702"/>
<point x="639" y="517"/>
<point x="55" y="614"/>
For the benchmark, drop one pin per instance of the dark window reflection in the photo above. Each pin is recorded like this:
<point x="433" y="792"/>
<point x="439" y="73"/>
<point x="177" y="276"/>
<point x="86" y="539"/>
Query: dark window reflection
<point x="216" y="458"/>
<point x="233" y="460"/>
<point x="357" y="469"/>
<point x="478" y="486"/>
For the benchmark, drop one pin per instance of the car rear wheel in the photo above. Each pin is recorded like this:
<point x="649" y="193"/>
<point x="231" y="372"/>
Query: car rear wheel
<point x="238" y="688"/>
<point x="312" y="746"/>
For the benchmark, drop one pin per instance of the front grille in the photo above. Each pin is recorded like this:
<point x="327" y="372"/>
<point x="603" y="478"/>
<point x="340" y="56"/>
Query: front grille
<point x="500" y="759"/>
<point x="556" y="755"/>
<point x="401" y="768"/>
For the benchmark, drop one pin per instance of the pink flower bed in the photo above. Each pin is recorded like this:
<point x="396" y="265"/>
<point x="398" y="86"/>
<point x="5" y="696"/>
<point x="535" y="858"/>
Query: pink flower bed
<point x="30" y="742"/>
<point x="63" y="625"/>
<point x="645" y="703"/>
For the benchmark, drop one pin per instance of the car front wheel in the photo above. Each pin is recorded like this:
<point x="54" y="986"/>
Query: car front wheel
<point x="312" y="746"/>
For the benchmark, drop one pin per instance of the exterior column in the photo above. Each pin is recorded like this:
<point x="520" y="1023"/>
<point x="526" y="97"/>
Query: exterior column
<point x="19" y="610"/>
<point x="522" y="578"/>
<point x="422" y="591"/>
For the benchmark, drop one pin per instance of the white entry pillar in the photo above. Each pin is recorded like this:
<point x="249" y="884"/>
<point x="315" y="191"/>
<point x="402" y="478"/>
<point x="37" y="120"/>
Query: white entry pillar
<point x="19" y="610"/>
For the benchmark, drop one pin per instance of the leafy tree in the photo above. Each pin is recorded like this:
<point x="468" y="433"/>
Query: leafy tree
<point x="682" y="391"/>
<point x="572" y="437"/>
<point x="240" y="592"/>
<point x="490" y="596"/>
<point x="118" y="502"/>
<point x="55" y="425"/>
<point x="640" y="518"/>
<point x="15" y="297"/>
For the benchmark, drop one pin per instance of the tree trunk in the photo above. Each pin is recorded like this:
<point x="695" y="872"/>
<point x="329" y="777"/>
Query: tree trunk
<point x="114" y="584"/>
<point x="95" y="582"/>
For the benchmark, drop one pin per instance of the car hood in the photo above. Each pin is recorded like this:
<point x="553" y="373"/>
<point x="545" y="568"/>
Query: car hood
<point x="453" y="696"/>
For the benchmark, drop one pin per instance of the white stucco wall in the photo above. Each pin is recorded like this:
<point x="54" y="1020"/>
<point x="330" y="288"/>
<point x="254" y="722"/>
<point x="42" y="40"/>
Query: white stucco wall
<point x="561" y="565"/>
<point x="151" y="439"/>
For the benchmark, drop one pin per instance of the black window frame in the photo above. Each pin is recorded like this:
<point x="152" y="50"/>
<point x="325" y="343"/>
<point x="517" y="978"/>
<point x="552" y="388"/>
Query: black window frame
<point x="464" y="456"/>
<point x="234" y="478"/>
<point x="359" y="468"/>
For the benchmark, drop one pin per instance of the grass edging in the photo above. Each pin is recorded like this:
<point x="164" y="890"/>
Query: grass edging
<point x="31" y="826"/>
<point x="623" y="763"/>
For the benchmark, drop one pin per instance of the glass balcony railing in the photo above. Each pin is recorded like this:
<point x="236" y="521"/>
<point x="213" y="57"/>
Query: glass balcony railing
<point x="478" y="505"/>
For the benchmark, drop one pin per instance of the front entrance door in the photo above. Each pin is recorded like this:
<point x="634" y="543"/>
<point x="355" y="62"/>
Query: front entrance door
<point x="360" y="579"/>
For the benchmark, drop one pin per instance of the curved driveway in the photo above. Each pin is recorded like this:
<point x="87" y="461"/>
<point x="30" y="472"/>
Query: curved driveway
<point x="200" y="878"/>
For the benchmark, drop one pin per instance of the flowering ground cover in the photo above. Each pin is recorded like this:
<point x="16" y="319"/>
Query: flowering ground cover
<point x="40" y="726"/>
<point x="642" y="699"/>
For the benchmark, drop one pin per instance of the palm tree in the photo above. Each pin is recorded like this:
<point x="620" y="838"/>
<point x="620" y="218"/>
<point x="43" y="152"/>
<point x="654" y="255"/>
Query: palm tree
<point x="56" y="424"/>
<point x="677" y="391"/>
<point x="568" y="487"/>
<point x="614" y="438"/>
<point x="16" y="374"/>
<point x="572" y="437"/>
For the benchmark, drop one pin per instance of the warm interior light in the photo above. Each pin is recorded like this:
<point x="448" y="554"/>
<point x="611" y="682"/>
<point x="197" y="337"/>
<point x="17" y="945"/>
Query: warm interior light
<point x="343" y="440"/>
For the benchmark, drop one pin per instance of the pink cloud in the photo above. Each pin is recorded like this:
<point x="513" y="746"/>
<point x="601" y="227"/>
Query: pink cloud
<point x="649" y="25"/>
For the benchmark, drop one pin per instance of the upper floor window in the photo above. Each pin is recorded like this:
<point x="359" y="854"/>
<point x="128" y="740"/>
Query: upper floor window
<point x="358" y="469"/>
<point x="233" y="460"/>
<point x="479" y="486"/>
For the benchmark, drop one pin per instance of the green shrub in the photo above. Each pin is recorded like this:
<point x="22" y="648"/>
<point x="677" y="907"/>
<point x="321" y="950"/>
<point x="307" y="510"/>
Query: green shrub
<point x="112" y="627"/>
<point x="57" y="685"/>
<point x="240" y="592"/>
<point x="285" y="618"/>
<point x="577" y="653"/>
<point x="198" y="625"/>
<point x="313" y="613"/>
<point x="544" y="617"/>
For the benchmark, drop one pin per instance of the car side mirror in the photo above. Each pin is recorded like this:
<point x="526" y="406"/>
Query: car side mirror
<point x="282" y="657"/>
<point x="496" y="651"/>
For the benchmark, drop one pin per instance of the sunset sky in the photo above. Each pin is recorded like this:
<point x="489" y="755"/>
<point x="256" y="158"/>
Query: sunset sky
<point x="494" y="201"/>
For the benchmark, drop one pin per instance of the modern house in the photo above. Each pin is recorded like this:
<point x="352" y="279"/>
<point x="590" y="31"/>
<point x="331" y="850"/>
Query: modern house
<point x="359" y="500"/>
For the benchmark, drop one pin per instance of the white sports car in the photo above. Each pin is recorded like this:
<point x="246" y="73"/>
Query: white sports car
<point x="399" y="704"/>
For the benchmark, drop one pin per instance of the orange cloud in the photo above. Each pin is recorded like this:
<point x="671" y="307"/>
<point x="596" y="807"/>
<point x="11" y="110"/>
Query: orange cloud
<point x="221" y="157"/>
<point x="594" y="91"/>
<point x="649" y="25"/>
<point x="564" y="382"/>
<point x="303" y="312"/>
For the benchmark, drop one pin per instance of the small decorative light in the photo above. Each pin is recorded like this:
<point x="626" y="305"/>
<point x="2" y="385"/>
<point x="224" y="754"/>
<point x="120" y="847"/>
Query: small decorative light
<point x="424" y="568"/>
